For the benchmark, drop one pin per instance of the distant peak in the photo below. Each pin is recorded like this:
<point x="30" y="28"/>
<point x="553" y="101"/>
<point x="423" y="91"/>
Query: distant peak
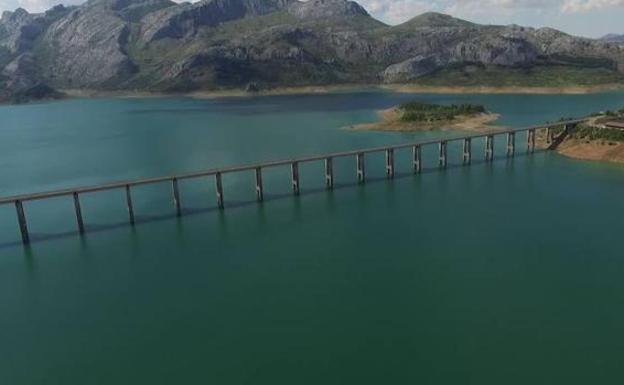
<point x="436" y="19"/>
<point x="327" y="9"/>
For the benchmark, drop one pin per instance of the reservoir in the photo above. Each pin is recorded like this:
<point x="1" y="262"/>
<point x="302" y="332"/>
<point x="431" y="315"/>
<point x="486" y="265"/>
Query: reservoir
<point x="504" y="272"/>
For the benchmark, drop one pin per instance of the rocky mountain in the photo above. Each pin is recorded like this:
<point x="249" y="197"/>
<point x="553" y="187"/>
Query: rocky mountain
<point x="613" y="38"/>
<point x="159" y="45"/>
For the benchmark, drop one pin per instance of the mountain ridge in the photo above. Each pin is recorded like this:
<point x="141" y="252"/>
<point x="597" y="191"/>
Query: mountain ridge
<point x="158" y="45"/>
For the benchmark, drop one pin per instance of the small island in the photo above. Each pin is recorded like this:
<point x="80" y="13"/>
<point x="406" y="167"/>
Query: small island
<point x="422" y="116"/>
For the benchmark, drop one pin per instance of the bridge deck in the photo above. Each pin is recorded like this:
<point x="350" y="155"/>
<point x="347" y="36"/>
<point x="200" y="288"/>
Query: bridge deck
<point x="226" y="170"/>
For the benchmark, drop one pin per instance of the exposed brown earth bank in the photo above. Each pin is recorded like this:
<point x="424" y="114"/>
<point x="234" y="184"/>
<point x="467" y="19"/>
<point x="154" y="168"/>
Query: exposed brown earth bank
<point x="593" y="140"/>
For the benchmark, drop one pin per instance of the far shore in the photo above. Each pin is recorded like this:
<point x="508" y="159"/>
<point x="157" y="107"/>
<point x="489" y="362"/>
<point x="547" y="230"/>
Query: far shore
<point x="338" y="88"/>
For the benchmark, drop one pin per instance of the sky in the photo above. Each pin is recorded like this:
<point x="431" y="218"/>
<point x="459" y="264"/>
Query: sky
<point x="592" y="18"/>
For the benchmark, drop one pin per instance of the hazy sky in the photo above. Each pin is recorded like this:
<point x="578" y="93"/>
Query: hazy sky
<point x="582" y="17"/>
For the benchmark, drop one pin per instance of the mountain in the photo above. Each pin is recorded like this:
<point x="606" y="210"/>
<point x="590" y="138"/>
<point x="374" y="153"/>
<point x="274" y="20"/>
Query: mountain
<point x="613" y="38"/>
<point x="159" y="45"/>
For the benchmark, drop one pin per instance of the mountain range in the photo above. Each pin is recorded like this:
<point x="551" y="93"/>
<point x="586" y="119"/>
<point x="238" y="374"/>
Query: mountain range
<point x="162" y="46"/>
<point x="613" y="38"/>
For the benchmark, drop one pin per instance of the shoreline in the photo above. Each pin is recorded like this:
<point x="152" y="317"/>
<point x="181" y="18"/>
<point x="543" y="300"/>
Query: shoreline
<point x="337" y="88"/>
<point x="519" y="90"/>
<point x="598" y="150"/>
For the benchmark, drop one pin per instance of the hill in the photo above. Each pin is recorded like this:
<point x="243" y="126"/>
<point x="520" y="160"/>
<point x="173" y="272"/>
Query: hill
<point x="159" y="45"/>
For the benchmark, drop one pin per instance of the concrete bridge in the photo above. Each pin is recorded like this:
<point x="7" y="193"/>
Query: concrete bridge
<point x="359" y="155"/>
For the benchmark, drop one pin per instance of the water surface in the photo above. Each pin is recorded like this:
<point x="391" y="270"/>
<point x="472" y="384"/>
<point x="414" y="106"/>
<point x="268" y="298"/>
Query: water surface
<point x="509" y="272"/>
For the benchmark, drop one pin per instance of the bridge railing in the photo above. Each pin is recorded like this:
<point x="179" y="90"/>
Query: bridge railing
<point x="19" y="200"/>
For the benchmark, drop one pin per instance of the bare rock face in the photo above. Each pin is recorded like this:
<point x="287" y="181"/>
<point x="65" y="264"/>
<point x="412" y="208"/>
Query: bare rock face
<point x="185" y="20"/>
<point x="413" y="68"/>
<point x="19" y="29"/>
<point x="326" y="9"/>
<point x="510" y="46"/>
<point x="88" y="47"/>
<point x="20" y="85"/>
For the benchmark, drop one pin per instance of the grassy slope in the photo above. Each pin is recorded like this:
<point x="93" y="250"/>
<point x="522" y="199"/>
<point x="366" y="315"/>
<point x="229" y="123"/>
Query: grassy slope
<point x="540" y="76"/>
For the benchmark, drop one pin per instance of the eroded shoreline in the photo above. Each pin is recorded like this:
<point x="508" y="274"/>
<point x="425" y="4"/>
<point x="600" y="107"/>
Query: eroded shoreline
<point x="324" y="89"/>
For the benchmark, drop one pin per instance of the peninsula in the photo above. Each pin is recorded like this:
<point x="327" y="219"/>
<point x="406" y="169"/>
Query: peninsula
<point x="600" y="139"/>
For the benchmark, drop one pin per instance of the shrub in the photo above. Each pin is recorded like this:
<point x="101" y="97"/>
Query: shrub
<point x="429" y="113"/>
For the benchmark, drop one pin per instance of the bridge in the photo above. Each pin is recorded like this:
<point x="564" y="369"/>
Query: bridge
<point x="417" y="164"/>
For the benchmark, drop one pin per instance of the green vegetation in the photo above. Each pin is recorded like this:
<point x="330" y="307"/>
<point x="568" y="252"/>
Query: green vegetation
<point x="430" y="113"/>
<point x="540" y="76"/>
<point x="583" y="131"/>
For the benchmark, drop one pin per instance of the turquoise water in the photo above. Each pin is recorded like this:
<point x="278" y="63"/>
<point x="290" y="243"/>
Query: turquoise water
<point x="509" y="272"/>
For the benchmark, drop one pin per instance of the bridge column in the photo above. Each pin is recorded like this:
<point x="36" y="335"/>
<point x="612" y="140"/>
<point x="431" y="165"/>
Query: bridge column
<point x="294" y="168"/>
<point x="176" y="196"/>
<point x="329" y="173"/>
<point x="390" y="163"/>
<point x="442" y="154"/>
<point x="259" y="186"/>
<point x="489" y="148"/>
<point x="361" y="172"/>
<point x="129" y="205"/>
<point x="531" y="140"/>
<point x="417" y="158"/>
<point x="467" y="151"/>
<point x="219" y="187"/>
<point x="21" y="220"/>
<point x="511" y="143"/>
<point x="549" y="135"/>
<point x="78" y="210"/>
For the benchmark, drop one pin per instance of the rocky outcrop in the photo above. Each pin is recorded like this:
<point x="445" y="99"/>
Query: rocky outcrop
<point x="19" y="29"/>
<point x="19" y="84"/>
<point x="88" y="48"/>
<point x="185" y="20"/>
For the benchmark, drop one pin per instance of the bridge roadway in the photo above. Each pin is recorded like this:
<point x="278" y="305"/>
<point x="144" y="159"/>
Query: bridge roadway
<point x="19" y="200"/>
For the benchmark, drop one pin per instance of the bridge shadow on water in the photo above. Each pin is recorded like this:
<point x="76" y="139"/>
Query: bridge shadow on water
<point x="231" y="204"/>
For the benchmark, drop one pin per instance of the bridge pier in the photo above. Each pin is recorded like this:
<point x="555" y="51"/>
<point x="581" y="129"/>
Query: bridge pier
<point x="361" y="172"/>
<point x="467" y="151"/>
<point x="259" y="186"/>
<point x="442" y="153"/>
<point x="129" y="205"/>
<point x="489" y="148"/>
<point x="21" y="220"/>
<point x="531" y="140"/>
<point x="294" y="168"/>
<point x="176" y="196"/>
<point x="390" y="163"/>
<point x="78" y="210"/>
<point x="549" y="135"/>
<point x="329" y="173"/>
<point x="511" y="143"/>
<point x="219" y="187"/>
<point x="417" y="158"/>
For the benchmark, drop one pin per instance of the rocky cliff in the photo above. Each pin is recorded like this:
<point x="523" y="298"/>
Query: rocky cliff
<point x="160" y="45"/>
